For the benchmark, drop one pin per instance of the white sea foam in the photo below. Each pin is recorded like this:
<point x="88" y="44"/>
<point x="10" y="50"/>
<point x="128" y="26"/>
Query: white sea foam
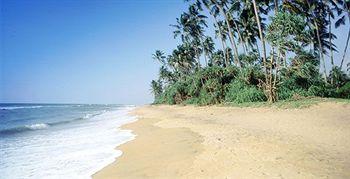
<point x="18" y="107"/>
<point x="37" y="126"/>
<point x="75" y="150"/>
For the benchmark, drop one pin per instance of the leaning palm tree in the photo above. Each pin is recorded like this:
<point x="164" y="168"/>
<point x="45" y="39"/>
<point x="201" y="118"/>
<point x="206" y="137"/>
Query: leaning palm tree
<point x="218" y="25"/>
<point x="208" y="47"/>
<point x="190" y="27"/>
<point x="220" y="31"/>
<point x="221" y="6"/>
<point x="257" y="17"/>
<point x="315" y="12"/>
<point x="249" y="27"/>
<point x="345" y="10"/>
<point x="234" y="11"/>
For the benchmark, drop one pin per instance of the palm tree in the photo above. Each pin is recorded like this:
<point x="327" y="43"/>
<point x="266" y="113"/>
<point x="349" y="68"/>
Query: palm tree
<point x="217" y="58"/>
<point x="182" y="58"/>
<point x="234" y="9"/>
<point x="346" y="9"/>
<point x="257" y="17"/>
<point x="190" y="26"/>
<point x="214" y="12"/>
<point x="332" y="6"/>
<point x="249" y="26"/>
<point x="156" y="87"/>
<point x="208" y="47"/>
<point x="159" y="56"/>
<point x="226" y="49"/>
<point x="315" y="12"/>
<point x="220" y="6"/>
<point x="183" y="29"/>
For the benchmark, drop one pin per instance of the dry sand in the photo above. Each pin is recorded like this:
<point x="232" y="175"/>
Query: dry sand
<point x="229" y="142"/>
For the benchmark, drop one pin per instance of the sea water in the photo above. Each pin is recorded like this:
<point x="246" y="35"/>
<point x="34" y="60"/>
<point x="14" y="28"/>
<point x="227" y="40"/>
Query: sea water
<point x="60" y="140"/>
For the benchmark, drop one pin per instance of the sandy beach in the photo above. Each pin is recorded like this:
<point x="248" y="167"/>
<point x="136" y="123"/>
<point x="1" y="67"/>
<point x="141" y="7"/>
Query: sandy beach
<point x="232" y="142"/>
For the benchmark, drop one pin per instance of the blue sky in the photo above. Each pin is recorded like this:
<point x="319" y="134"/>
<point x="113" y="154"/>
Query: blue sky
<point x="86" y="51"/>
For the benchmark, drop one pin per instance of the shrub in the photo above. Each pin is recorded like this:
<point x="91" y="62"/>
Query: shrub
<point x="240" y="92"/>
<point x="344" y="91"/>
<point x="287" y="93"/>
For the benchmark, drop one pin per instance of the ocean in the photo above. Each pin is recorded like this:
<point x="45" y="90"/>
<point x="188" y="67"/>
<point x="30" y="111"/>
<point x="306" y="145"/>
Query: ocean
<point x="60" y="140"/>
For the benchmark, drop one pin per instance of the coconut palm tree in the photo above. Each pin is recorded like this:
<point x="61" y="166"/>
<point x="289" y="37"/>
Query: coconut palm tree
<point x="190" y="27"/>
<point x="234" y="11"/>
<point x="217" y="58"/>
<point x="257" y="17"/>
<point x="156" y="88"/>
<point x="159" y="56"/>
<point x="218" y="25"/>
<point x="248" y="26"/>
<point x="316" y="12"/>
<point x="221" y="6"/>
<point x="208" y="47"/>
<point x="345" y="14"/>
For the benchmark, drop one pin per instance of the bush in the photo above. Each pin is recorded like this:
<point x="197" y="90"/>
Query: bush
<point x="344" y="91"/>
<point x="287" y="93"/>
<point x="215" y="84"/>
<point x="240" y="92"/>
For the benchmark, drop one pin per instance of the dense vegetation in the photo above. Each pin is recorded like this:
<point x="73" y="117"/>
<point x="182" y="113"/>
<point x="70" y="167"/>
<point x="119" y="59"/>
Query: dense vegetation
<point x="267" y="51"/>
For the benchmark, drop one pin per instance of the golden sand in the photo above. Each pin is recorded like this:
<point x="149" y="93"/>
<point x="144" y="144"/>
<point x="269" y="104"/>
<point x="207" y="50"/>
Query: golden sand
<point x="229" y="142"/>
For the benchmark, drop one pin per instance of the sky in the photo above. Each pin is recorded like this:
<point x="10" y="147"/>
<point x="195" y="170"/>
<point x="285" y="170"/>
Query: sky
<point x="86" y="51"/>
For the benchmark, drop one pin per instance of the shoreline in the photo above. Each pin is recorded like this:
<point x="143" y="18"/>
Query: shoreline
<point x="219" y="142"/>
<point x="144" y="129"/>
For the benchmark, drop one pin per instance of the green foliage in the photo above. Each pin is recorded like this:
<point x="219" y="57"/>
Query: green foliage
<point x="240" y="92"/>
<point x="156" y="88"/>
<point x="337" y="77"/>
<point x="249" y="59"/>
<point x="299" y="30"/>
<point x="286" y="31"/>
<point x="344" y="91"/>
<point x="203" y="87"/>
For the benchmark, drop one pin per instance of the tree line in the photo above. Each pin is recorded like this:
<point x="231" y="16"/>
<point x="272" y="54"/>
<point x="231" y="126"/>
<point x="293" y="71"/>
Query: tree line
<point x="266" y="50"/>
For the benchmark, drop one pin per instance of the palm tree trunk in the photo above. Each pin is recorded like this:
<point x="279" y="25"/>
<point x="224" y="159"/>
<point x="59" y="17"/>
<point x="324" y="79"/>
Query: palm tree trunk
<point x="221" y="38"/>
<point x="276" y="6"/>
<point x="260" y="31"/>
<point x="346" y="47"/>
<point x="198" y="59"/>
<point x="239" y="33"/>
<point x="347" y="41"/>
<point x="204" y="52"/>
<point x="330" y="40"/>
<point x="278" y="64"/>
<point x="227" y="62"/>
<point x="320" y="47"/>
<point x="205" y="58"/>
<point x="260" y="34"/>
<point x="232" y="40"/>
<point x="240" y="37"/>
<point x="268" y="77"/>
<point x="246" y="46"/>
<point x="320" y="51"/>
<point x="257" y="48"/>
<point x="330" y="43"/>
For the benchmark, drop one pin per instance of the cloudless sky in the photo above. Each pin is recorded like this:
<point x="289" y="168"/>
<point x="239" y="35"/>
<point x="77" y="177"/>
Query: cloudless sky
<point x="86" y="51"/>
<point x="83" y="51"/>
